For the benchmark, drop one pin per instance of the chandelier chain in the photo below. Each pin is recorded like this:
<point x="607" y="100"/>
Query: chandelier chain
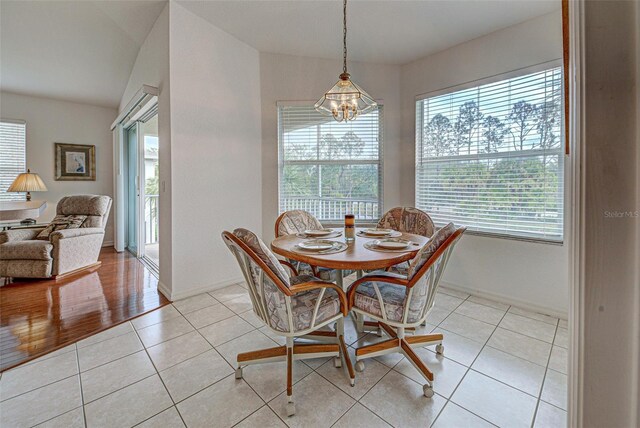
<point x="344" y="35"/>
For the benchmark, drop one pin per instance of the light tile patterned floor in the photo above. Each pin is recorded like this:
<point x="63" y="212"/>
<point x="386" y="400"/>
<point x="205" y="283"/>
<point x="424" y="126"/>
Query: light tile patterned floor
<point x="174" y="367"/>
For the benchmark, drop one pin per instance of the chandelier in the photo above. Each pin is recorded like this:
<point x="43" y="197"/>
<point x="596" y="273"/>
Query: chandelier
<point x="345" y="100"/>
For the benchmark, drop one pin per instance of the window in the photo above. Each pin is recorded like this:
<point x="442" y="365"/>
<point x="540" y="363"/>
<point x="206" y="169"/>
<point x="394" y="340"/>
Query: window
<point x="490" y="156"/>
<point x="12" y="156"/>
<point x="328" y="168"/>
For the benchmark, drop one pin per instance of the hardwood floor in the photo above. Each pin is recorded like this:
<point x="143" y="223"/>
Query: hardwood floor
<point x="40" y="316"/>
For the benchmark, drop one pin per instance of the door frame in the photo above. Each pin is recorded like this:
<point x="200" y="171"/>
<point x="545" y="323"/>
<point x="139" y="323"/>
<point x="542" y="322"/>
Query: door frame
<point x="575" y="381"/>
<point x="143" y="100"/>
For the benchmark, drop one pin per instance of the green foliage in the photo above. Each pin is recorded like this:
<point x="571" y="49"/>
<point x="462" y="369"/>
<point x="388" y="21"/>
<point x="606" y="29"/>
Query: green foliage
<point x="438" y="134"/>
<point x="335" y="181"/>
<point x="468" y="122"/>
<point x="151" y="184"/>
<point x="489" y="185"/>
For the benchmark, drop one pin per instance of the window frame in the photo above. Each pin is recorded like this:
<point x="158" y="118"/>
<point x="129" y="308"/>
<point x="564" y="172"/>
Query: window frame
<point x="20" y="196"/>
<point x="419" y="123"/>
<point x="380" y="161"/>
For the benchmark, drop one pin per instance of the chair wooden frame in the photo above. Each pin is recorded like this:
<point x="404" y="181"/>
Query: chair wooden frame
<point x="336" y="346"/>
<point x="396" y="330"/>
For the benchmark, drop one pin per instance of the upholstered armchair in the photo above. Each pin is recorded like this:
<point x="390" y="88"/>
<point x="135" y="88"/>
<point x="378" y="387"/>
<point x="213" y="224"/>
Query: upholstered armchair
<point x="297" y="221"/>
<point x="70" y="243"/>
<point x="292" y="306"/>
<point x="407" y="220"/>
<point x="396" y="302"/>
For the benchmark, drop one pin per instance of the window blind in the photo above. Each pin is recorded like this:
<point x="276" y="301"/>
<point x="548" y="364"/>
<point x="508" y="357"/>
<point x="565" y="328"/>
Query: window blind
<point x="329" y="168"/>
<point x="490" y="156"/>
<point x="12" y="157"/>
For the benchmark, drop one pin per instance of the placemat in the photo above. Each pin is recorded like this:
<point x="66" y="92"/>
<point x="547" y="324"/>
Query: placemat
<point x="333" y="234"/>
<point x="370" y="246"/>
<point x="393" y="234"/>
<point x="338" y="248"/>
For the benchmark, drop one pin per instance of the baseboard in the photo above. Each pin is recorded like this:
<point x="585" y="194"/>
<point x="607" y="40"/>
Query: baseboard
<point x="173" y="296"/>
<point x="164" y="290"/>
<point x="107" y="244"/>
<point x="507" y="300"/>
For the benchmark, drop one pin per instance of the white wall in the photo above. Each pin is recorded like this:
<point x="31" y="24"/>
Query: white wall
<point x="535" y="275"/>
<point x="51" y="121"/>
<point x="152" y="68"/>
<point x="295" y="78"/>
<point x="215" y="149"/>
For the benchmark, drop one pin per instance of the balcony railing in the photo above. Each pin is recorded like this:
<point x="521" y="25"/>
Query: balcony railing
<point x="151" y="219"/>
<point x="334" y="209"/>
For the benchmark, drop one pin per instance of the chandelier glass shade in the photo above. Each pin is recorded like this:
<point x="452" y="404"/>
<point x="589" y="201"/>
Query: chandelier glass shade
<point x="345" y="100"/>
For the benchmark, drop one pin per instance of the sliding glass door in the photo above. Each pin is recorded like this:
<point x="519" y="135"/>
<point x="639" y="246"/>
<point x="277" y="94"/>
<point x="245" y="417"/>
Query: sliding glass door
<point x="142" y="189"/>
<point x="132" y="188"/>
<point x="150" y="189"/>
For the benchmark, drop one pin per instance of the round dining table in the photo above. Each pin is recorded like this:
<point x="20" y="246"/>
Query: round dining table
<point x="356" y="257"/>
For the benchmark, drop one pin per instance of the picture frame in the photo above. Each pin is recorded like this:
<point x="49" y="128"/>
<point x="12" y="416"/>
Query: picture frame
<point x="75" y="162"/>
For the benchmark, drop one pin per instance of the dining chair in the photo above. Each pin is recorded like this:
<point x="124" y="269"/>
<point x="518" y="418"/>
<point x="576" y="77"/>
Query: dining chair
<point x="396" y="302"/>
<point x="407" y="220"/>
<point x="294" y="307"/>
<point x="297" y="221"/>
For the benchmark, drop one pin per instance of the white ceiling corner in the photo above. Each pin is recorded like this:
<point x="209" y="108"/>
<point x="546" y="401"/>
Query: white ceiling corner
<point x="80" y="51"/>
<point x="391" y="32"/>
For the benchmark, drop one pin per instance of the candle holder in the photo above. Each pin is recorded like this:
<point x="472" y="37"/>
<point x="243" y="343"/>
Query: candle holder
<point x="349" y="228"/>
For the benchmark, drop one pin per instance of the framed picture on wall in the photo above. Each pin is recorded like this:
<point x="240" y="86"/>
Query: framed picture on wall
<point x="75" y="162"/>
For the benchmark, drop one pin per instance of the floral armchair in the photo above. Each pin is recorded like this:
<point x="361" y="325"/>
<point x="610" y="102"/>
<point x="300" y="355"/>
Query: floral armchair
<point x="292" y="306"/>
<point x="36" y="253"/>
<point x="408" y="220"/>
<point x="397" y="302"/>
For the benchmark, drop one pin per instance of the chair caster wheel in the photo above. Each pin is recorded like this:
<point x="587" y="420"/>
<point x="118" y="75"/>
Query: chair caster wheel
<point x="239" y="373"/>
<point x="360" y="366"/>
<point x="337" y="362"/>
<point x="440" y="349"/>
<point x="427" y="390"/>
<point x="291" y="409"/>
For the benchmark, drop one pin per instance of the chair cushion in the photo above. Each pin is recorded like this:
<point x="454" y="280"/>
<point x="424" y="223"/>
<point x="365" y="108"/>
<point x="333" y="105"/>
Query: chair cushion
<point x="263" y="252"/>
<point x="393" y="297"/>
<point x="303" y="304"/>
<point x="61" y="222"/>
<point x="297" y="221"/>
<point x="409" y="220"/>
<point x="26" y="250"/>
<point x="430" y="248"/>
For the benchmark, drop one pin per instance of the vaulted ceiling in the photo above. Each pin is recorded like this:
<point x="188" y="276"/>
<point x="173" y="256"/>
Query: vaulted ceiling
<point x="84" y="50"/>
<point x="73" y="50"/>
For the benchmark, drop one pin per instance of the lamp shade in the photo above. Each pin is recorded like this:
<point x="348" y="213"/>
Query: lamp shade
<point x="27" y="182"/>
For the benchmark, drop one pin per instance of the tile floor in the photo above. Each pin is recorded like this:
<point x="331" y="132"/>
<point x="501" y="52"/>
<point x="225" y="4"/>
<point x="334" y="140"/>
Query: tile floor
<point x="503" y="366"/>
